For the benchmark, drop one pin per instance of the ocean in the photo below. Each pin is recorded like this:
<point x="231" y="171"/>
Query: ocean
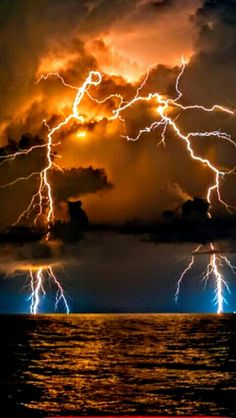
<point x="130" y="364"/>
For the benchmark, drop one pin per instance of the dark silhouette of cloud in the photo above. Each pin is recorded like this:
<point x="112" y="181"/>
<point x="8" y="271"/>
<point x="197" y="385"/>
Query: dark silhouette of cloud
<point x="75" y="182"/>
<point x="66" y="184"/>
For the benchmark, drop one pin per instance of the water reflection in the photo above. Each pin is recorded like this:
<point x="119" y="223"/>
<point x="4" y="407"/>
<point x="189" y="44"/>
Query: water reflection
<point x="123" y="364"/>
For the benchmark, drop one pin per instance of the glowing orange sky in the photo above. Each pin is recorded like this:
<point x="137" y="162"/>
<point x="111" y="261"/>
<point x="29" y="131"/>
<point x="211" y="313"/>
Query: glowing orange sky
<point x="122" y="45"/>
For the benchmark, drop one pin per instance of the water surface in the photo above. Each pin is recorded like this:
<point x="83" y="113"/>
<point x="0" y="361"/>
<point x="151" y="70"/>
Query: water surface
<point x="118" y="364"/>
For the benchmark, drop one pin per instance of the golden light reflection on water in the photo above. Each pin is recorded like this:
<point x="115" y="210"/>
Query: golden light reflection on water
<point x="129" y="364"/>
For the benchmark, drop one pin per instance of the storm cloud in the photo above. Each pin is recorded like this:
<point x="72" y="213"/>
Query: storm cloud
<point x="74" y="38"/>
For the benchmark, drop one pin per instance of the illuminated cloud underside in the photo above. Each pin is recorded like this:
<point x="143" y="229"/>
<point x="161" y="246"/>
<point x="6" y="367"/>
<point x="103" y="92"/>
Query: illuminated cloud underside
<point x="43" y="199"/>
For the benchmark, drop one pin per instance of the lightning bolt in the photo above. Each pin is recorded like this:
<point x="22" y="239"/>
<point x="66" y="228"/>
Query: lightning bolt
<point x="37" y="283"/>
<point x="43" y="198"/>
<point x="164" y="121"/>
<point x="185" y="271"/>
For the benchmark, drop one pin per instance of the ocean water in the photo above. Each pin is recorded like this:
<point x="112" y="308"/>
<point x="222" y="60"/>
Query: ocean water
<point x="118" y="364"/>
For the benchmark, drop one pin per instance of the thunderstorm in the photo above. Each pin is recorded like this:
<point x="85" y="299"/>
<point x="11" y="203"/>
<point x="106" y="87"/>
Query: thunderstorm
<point x="43" y="200"/>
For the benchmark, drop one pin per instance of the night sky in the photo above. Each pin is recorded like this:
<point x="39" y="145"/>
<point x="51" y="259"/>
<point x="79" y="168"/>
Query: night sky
<point x="117" y="180"/>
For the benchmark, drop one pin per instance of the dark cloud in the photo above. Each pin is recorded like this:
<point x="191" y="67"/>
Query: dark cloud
<point x="188" y="222"/>
<point x="21" y="258"/>
<point x="76" y="182"/>
<point x="66" y="184"/>
<point x="212" y="67"/>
